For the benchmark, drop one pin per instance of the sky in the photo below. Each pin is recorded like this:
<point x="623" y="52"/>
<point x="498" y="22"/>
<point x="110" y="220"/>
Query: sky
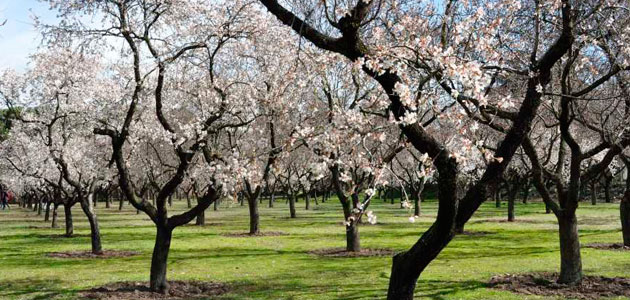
<point x="18" y="37"/>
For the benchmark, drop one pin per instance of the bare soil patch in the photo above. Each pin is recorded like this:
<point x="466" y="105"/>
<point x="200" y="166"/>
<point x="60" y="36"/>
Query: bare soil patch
<point x="260" y="234"/>
<point x="140" y="290"/>
<point x="89" y="254"/>
<point x="341" y="252"/>
<point x="544" y="284"/>
<point x="603" y="246"/>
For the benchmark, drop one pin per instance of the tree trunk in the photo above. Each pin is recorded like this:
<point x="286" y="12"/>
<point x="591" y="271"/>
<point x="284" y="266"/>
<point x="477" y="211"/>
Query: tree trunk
<point x="511" y="200"/>
<point x="170" y="201"/>
<point x="54" y="216"/>
<point x="159" y="260"/>
<point x="188" y="202"/>
<point x="624" y="209"/>
<point x="215" y="205"/>
<point x="272" y="199"/>
<point x="95" y="232"/>
<point x="47" y="214"/>
<point x="497" y="198"/>
<point x="201" y="217"/>
<point x="607" y="190"/>
<point x="571" y="261"/>
<point x="67" y="209"/>
<point x="391" y="196"/>
<point x="353" y="241"/>
<point x="254" y="216"/>
<point x="407" y="266"/>
<point x="122" y="201"/>
<point x="39" y="207"/>
<point x="307" y="199"/>
<point x="526" y="192"/>
<point x="292" y="205"/>
<point x="108" y="202"/>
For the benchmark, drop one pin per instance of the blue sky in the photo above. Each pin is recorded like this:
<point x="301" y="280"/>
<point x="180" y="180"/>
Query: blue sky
<point x="18" y="38"/>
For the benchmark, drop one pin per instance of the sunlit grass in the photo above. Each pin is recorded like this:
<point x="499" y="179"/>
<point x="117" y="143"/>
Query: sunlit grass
<point x="279" y="267"/>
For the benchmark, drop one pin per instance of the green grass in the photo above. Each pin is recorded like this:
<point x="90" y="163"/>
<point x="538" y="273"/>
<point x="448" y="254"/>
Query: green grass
<point x="280" y="268"/>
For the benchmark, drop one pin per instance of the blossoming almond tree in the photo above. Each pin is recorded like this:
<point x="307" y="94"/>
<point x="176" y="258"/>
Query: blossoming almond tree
<point x="397" y="46"/>
<point x="176" y="90"/>
<point x="55" y="96"/>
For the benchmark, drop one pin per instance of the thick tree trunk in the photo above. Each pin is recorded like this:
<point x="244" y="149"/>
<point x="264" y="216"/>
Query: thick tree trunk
<point x="121" y="203"/>
<point x="54" y="216"/>
<point x="108" y="201"/>
<point x="571" y="261"/>
<point x="215" y="205"/>
<point x="254" y="216"/>
<point x="624" y="209"/>
<point x="407" y="266"/>
<point x="39" y="207"/>
<point x="67" y="209"/>
<point x="159" y="260"/>
<point x="593" y="193"/>
<point x="292" y="206"/>
<point x="353" y="241"/>
<point x="272" y="199"/>
<point x="188" y="202"/>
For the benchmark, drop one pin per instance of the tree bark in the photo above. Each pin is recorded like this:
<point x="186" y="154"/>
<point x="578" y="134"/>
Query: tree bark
<point x="307" y="199"/>
<point x="215" y="205"/>
<point x="67" y="209"/>
<point x="47" y="214"/>
<point x="353" y="241"/>
<point x="108" y="201"/>
<point x="272" y="199"/>
<point x="254" y="216"/>
<point x="95" y="232"/>
<point x="292" y="206"/>
<point x="571" y="261"/>
<point x="201" y="218"/>
<point x="54" y="216"/>
<point x="497" y="198"/>
<point x="526" y="192"/>
<point x="121" y="202"/>
<point x="161" y="249"/>
<point x="593" y="193"/>
<point x="607" y="189"/>
<point x="511" y="200"/>
<point x="624" y="209"/>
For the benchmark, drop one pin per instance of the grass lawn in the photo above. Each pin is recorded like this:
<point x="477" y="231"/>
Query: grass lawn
<point x="279" y="267"/>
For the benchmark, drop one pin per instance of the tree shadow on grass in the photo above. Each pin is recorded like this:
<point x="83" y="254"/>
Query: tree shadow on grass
<point x="35" y="289"/>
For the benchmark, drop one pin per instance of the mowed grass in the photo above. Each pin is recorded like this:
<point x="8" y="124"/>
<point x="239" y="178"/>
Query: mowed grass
<point x="279" y="267"/>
